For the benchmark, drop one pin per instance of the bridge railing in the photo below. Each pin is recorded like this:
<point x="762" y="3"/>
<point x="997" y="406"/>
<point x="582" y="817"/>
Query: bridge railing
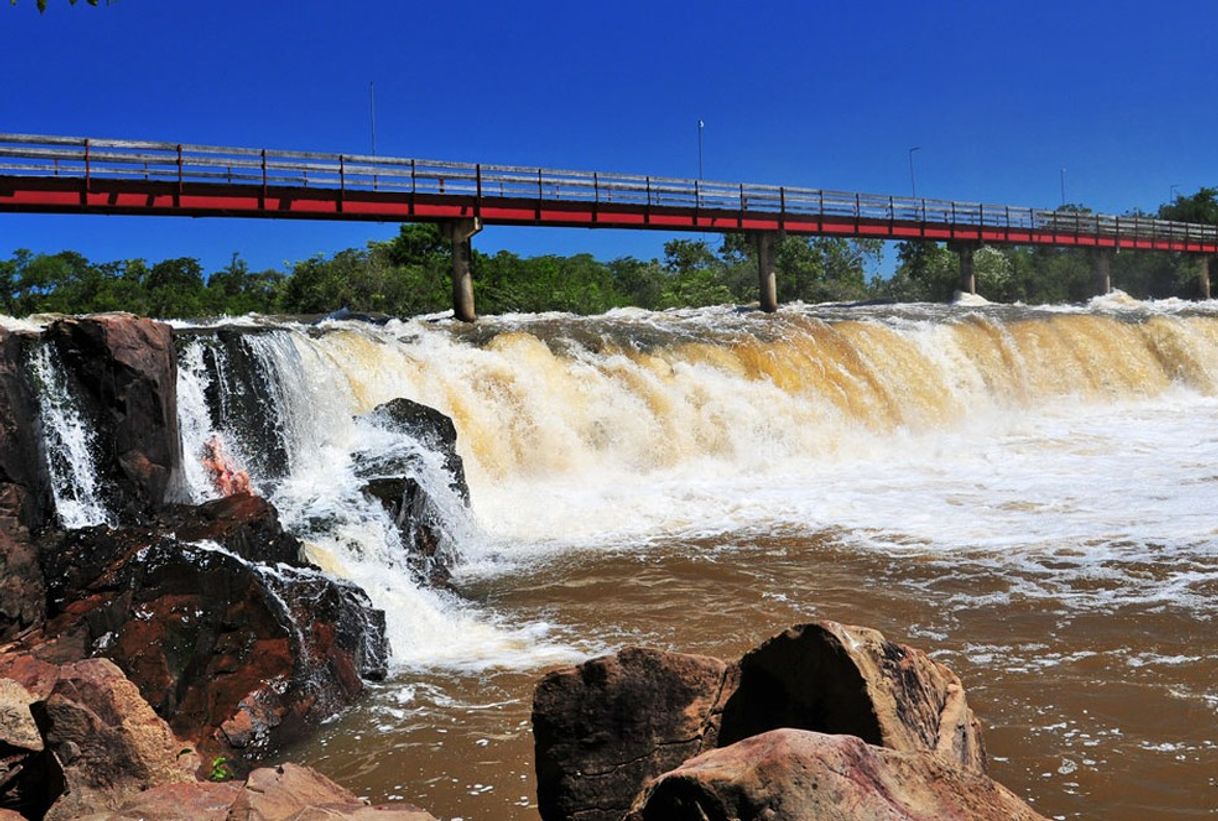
<point x="88" y="159"/>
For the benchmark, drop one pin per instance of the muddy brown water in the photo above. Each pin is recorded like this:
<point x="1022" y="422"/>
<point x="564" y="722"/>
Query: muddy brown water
<point x="1107" y="711"/>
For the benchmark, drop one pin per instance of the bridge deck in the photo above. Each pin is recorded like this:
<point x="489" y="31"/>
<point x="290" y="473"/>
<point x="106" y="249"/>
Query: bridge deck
<point x="79" y="175"/>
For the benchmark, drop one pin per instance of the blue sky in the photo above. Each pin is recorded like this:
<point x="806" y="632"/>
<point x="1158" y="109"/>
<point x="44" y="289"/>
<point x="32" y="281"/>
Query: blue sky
<point x="999" y="97"/>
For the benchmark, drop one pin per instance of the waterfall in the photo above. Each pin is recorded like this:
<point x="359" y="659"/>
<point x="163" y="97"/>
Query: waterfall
<point x="68" y="445"/>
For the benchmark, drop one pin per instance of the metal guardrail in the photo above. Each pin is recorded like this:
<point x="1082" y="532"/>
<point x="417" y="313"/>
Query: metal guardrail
<point x="87" y="158"/>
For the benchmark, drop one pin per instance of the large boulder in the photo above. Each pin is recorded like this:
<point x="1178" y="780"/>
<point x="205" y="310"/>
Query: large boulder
<point x="232" y="638"/>
<point x="123" y="369"/>
<point x="834" y="678"/>
<point x="802" y="774"/>
<point x="603" y="728"/>
<point x="109" y="742"/>
<point x="31" y="778"/>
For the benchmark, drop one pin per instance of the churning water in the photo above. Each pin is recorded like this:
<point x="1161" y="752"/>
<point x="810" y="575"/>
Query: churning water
<point x="1030" y="494"/>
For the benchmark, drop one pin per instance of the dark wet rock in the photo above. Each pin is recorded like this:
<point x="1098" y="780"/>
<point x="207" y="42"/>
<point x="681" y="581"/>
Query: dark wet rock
<point x="801" y="774"/>
<point x="242" y="396"/>
<point x="398" y="480"/>
<point x="839" y="679"/>
<point x="603" y="728"/>
<point x="418" y="522"/>
<point x="25" y="492"/>
<point x="431" y="428"/>
<point x="22" y="588"/>
<point x="245" y="524"/>
<point x="235" y="652"/>
<point x="124" y="370"/>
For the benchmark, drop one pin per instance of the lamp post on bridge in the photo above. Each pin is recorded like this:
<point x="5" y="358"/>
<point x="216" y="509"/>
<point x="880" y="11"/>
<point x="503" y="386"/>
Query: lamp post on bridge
<point x="913" y="185"/>
<point x="701" y="125"/>
<point x="1063" y="179"/>
<point x="1171" y="193"/>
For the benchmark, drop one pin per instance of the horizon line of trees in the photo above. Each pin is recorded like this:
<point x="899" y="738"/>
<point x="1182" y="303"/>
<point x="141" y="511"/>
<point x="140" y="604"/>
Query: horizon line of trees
<point x="410" y="274"/>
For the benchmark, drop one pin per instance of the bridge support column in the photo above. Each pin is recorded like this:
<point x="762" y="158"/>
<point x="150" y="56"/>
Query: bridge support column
<point x="1203" y="277"/>
<point x="965" y="250"/>
<point x="767" y="282"/>
<point x="459" y="233"/>
<point x="1102" y="267"/>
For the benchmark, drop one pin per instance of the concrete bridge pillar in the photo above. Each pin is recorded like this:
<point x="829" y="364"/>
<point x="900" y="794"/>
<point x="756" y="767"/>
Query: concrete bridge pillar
<point x="1102" y="266"/>
<point x="965" y="250"/>
<point x="1204" y="277"/>
<point x="767" y="282"/>
<point x="459" y="233"/>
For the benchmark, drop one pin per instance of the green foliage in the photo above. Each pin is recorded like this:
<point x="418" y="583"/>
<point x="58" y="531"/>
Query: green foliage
<point x="220" y="769"/>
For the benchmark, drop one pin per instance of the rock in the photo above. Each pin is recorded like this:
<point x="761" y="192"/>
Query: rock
<point x="22" y="589"/>
<point x="30" y="776"/>
<point x="290" y="791"/>
<point x="109" y="741"/>
<point x="125" y="370"/>
<point x="246" y="524"/>
<point x="419" y="524"/>
<point x="197" y="801"/>
<point x="17" y="727"/>
<point x="602" y="728"/>
<point x="789" y="774"/>
<point x="399" y="480"/>
<point x="25" y="491"/>
<point x="832" y="678"/>
<point x="431" y="427"/>
<point x="234" y="653"/>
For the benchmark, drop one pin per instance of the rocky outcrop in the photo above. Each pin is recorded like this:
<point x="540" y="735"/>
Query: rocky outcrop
<point x="78" y="741"/>
<point x="801" y="774"/>
<point x="25" y="493"/>
<point x="398" y="479"/>
<point x="605" y="728"/>
<point x="833" y="678"/>
<point x="22" y="589"/>
<point x="125" y="372"/>
<point x="231" y="637"/>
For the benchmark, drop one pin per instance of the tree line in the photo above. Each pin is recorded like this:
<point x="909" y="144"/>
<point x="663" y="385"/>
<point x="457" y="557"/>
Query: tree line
<point x="409" y="274"/>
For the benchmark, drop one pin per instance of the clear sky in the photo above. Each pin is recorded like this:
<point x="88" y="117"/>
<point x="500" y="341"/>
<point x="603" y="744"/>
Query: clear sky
<point x="998" y="96"/>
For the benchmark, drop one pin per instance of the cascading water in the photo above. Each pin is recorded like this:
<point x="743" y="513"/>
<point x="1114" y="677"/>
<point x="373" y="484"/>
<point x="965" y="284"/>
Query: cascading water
<point x="1026" y="490"/>
<point x="68" y="444"/>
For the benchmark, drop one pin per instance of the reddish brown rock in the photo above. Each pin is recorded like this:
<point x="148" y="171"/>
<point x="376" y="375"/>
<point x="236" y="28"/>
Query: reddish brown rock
<point x="22" y="590"/>
<point x="235" y="647"/>
<point x="125" y="372"/>
<point x="789" y="774"/>
<point x="290" y="791"/>
<point x="603" y="728"/>
<point x="832" y="678"/>
<point x="186" y="801"/>
<point x="109" y="742"/>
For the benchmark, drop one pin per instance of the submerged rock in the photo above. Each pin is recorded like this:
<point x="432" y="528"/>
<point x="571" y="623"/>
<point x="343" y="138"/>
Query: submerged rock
<point x="789" y="774"/>
<point x="231" y="637"/>
<point x="604" y="728"/>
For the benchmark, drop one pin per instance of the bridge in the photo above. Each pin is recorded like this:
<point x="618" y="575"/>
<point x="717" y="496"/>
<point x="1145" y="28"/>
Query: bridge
<point x="80" y="175"/>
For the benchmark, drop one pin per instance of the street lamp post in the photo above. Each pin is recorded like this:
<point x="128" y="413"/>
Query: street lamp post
<point x="701" y="125"/>
<point x="1063" y="180"/>
<point x="913" y="184"/>
<point x="1171" y="192"/>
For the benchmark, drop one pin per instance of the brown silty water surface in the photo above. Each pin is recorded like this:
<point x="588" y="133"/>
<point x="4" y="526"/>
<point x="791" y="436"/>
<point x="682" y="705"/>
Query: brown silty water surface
<point x="1029" y="495"/>
<point x="1108" y="714"/>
